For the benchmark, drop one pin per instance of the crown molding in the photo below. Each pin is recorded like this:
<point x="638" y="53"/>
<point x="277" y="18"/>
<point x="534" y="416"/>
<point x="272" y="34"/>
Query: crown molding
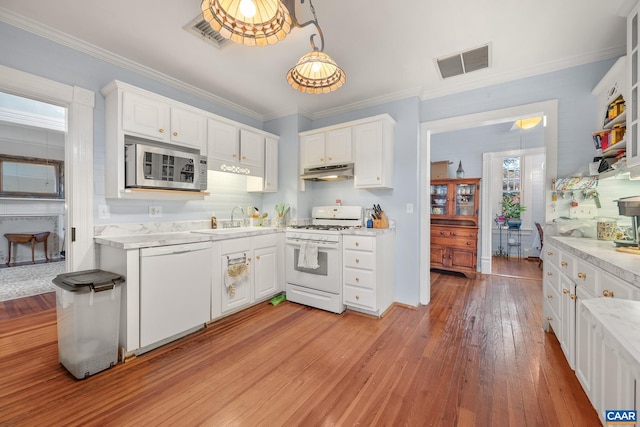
<point x="477" y="83"/>
<point x="371" y="102"/>
<point x="59" y="37"/>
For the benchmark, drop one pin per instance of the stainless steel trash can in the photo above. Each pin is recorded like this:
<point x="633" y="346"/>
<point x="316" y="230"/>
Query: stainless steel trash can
<point x="88" y="314"/>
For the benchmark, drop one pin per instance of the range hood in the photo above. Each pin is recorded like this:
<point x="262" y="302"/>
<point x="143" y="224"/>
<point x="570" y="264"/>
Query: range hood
<point x="328" y="173"/>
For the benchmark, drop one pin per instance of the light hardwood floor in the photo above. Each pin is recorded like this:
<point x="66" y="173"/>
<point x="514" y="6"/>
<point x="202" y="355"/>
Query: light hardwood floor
<point x="475" y="356"/>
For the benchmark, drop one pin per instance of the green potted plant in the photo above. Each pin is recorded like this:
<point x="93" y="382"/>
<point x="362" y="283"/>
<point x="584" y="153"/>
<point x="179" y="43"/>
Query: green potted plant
<point x="511" y="210"/>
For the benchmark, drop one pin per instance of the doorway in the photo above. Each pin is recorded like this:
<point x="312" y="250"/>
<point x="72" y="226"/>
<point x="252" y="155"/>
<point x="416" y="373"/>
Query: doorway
<point x="428" y="129"/>
<point x="78" y="157"/>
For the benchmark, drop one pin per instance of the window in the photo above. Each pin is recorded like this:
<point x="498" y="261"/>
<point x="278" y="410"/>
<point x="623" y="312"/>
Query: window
<point x="511" y="181"/>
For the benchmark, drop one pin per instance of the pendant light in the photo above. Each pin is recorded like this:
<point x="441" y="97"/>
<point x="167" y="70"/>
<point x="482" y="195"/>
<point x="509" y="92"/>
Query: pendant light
<point x="315" y="72"/>
<point x="248" y="22"/>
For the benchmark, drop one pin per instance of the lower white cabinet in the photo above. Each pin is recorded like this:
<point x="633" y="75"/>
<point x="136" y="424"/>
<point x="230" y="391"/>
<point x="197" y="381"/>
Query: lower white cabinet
<point x="568" y="319"/>
<point x="368" y="272"/>
<point x="251" y="270"/>
<point x="585" y="345"/>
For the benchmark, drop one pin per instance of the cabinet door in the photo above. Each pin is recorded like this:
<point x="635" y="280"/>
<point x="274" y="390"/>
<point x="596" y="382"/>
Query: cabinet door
<point x="568" y="319"/>
<point x="462" y="258"/>
<point x="251" y="149"/>
<point x="270" y="165"/>
<point x="266" y="272"/>
<point x="438" y="256"/>
<point x="338" y="147"/>
<point x="633" y="64"/>
<point x="145" y="116"/>
<point x="188" y="128"/>
<point x="585" y="350"/>
<point x="368" y="167"/>
<point x="312" y="150"/>
<point x="237" y="281"/>
<point x="223" y="141"/>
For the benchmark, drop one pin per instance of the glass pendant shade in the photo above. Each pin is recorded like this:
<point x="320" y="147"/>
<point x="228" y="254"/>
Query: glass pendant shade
<point x="316" y="72"/>
<point x="528" y="123"/>
<point x="270" y="21"/>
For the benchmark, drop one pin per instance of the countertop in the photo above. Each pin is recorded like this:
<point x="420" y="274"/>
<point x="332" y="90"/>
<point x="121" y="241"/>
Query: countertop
<point x="150" y="240"/>
<point x="621" y="319"/>
<point x="601" y="253"/>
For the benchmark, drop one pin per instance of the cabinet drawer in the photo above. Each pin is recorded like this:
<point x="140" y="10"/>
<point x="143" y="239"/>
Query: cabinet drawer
<point x="552" y="298"/>
<point x="552" y="275"/>
<point x="453" y="232"/>
<point x="360" y="297"/>
<point x="552" y="318"/>
<point x="359" y="259"/>
<point x="359" y="243"/>
<point x="613" y="287"/>
<point x="587" y="276"/>
<point x="567" y="264"/>
<point x="361" y="278"/>
<point x="551" y="255"/>
<point x="470" y="244"/>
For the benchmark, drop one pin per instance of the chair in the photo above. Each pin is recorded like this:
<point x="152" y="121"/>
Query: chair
<point x="541" y="233"/>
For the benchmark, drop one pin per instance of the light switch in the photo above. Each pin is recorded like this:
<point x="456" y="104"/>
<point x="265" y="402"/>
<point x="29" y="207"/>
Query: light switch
<point x="103" y="212"/>
<point x="155" y="211"/>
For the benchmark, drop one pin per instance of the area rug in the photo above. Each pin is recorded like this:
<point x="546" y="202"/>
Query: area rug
<point x="26" y="280"/>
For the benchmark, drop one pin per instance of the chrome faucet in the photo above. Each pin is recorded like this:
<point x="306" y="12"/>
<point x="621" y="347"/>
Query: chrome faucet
<point x="232" y="211"/>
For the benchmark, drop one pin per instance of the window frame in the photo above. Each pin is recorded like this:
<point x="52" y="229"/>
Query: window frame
<point x="58" y="166"/>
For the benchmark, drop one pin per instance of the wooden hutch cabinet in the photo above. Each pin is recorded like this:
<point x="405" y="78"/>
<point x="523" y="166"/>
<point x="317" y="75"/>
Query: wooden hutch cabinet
<point x="454" y="224"/>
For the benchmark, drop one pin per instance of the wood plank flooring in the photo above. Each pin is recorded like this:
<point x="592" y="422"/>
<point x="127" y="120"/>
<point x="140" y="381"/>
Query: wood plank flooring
<point x="475" y="356"/>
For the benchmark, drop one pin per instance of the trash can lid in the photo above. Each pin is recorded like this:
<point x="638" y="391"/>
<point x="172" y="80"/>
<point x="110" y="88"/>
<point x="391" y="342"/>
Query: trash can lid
<point x="79" y="281"/>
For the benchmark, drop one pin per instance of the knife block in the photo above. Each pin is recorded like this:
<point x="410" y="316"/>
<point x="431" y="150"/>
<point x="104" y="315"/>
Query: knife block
<point x="383" y="222"/>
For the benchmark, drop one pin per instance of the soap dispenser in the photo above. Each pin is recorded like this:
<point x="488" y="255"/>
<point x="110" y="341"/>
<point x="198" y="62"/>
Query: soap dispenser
<point x="214" y="221"/>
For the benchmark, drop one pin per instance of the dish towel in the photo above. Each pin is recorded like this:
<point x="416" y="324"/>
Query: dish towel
<point x="308" y="256"/>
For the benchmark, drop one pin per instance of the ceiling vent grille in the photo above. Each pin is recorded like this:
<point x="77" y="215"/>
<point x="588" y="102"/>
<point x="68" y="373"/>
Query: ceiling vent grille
<point x="201" y="29"/>
<point x="463" y="62"/>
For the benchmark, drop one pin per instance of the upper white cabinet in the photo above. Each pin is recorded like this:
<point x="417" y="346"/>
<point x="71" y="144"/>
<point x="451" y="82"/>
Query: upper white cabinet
<point x="158" y="120"/>
<point x="268" y="183"/>
<point x="367" y="143"/>
<point x="229" y="146"/>
<point x="633" y="62"/>
<point x="373" y="166"/>
<point x="325" y="148"/>
<point x="234" y="149"/>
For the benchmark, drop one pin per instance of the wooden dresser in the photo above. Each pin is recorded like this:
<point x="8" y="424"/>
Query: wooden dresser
<point x="454" y="224"/>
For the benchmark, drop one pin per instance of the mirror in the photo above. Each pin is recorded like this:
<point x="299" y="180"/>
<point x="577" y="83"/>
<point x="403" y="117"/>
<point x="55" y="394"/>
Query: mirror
<point x="31" y="177"/>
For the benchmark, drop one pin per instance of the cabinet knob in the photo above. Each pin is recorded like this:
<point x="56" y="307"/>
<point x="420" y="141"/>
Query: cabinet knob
<point x="357" y="261"/>
<point x="582" y="276"/>
<point x="248" y="259"/>
<point x="549" y="253"/>
<point x="442" y="233"/>
<point x="329" y="158"/>
<point x="550" y="296"/>
<point x="244" y="157"/>
<point x="234" y="156"/>
<point x="549" y="319"/>
<point x="357" y="297"/>
<point x="322" y="159"/>
<point x="453" y="233"/>
<point x="175" y="134"/>
<point x="549" y="273"/>
<point x="572" y="296"/>
<point x="268" y="184"/>
<point x="357" y="244"/>
<point x="357" y="279"/>
<point x="377" y="178"/>
<point x="161" y="130"/>
<point x="468" y="243"/>
<point x="607" y="293"/>
<point x="563" y="263"/>
<point x="257" y="257"/>
<point x="565" y="291"/>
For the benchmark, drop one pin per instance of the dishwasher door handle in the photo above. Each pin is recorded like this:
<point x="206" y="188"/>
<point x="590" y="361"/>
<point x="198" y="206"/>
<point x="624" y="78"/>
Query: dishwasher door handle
<point x="174" y="249"/>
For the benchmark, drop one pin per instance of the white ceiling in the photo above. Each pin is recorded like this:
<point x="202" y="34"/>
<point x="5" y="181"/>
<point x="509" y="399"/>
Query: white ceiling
<point x="387" y="49"/>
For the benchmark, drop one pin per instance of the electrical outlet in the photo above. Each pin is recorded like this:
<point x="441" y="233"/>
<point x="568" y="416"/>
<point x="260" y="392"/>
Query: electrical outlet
<point x="103" y="212"/>
<point x="409" y="207"/>
<point x="155" y="211"/>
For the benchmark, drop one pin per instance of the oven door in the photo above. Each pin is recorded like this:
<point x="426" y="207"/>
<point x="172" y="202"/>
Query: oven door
<point x="324" y="278"/>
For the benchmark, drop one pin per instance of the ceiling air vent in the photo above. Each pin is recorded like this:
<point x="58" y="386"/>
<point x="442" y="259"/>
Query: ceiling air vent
<point x="201" y="29"/>
<point x="464" y="62"/>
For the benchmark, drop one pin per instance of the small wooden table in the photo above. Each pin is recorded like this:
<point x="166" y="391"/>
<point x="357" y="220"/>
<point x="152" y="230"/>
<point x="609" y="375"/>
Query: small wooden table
<point x="26" y="238"/>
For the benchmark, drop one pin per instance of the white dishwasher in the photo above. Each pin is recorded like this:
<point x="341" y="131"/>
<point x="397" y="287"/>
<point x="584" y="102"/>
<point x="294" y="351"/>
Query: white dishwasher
<point x="175" y="290"/>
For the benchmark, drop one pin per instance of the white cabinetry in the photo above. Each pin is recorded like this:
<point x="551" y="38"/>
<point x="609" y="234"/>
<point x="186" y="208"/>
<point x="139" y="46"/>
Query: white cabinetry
<point x="156" y="119"/>
<point x="633" y="62"/>
<point x="233" y="149"/>
<point x="373" y="166"/>
<point x="261" y="277"/>
<point x="368" y="272"/>
<point x="268" y="183"/>
<point x="325" y="148"/>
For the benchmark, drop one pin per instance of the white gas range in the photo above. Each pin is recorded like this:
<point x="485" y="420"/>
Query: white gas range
<point x="314" y="257"/>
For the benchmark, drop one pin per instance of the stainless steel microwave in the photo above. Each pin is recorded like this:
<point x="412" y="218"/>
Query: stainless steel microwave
<point x="154" y="165"/>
